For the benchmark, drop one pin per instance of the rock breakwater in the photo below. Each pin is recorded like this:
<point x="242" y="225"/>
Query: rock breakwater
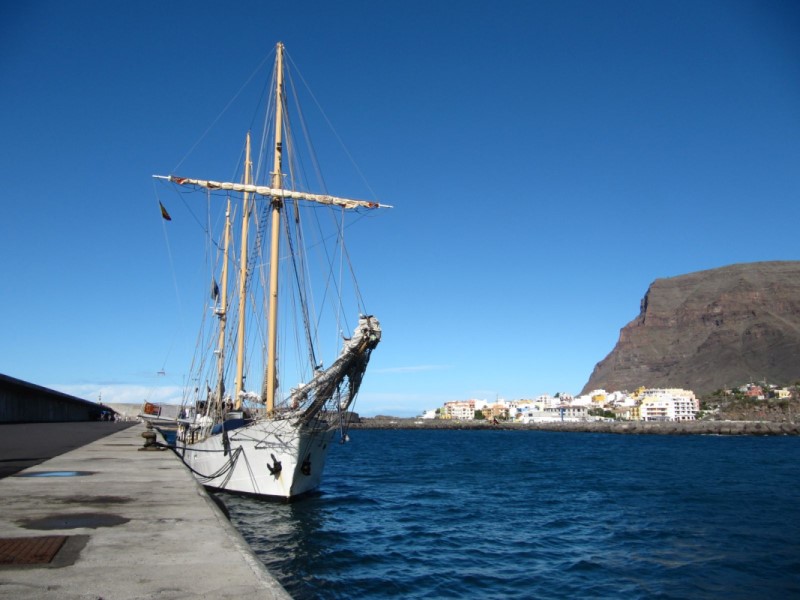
<point x="619" y="427"/>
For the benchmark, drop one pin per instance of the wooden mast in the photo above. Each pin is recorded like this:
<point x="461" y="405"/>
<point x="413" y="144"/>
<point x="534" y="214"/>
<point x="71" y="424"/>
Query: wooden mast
<point x="240" y="338"/>
<point x="277" y="204"/>
<point x="222" y="311"/>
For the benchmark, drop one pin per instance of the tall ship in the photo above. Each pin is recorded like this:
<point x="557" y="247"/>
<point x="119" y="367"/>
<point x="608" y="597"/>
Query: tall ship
<point x="262" y="405"/>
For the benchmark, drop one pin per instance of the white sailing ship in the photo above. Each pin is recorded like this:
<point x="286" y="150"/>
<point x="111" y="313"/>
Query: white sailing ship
<point x="272" y="442"/>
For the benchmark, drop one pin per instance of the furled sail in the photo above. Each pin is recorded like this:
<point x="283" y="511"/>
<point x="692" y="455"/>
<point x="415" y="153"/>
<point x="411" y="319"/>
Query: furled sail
<point x="272" y="192"/>
<point x="351" y="364"/>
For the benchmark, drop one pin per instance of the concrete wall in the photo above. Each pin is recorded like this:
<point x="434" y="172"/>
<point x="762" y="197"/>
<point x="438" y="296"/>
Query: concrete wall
<point x="23" y="402"/>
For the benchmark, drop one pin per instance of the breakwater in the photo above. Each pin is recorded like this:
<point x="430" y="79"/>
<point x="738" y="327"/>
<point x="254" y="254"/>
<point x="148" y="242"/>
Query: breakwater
<point x="620" y="427"/>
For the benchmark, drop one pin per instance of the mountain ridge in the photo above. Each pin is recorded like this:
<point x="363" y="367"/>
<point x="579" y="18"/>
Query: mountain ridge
<point x="710" y="329"/>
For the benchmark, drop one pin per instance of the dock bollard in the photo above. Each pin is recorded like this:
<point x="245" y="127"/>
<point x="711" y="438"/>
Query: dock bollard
<point x="149" y="438"/>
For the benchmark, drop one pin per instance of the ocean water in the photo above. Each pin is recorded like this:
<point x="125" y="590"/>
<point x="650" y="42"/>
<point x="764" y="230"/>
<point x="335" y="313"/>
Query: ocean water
<point x="535" y="514"/>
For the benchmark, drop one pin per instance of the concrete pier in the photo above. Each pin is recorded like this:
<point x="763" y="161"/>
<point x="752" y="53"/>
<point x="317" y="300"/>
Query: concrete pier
<point x="110" y="521"/>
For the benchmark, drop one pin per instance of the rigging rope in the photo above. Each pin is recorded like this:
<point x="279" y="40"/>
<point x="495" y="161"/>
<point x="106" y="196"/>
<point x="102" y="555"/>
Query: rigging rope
<point x="301" y="297"/>
<point x="224" y="110"/>
<point x="332" y="128"/>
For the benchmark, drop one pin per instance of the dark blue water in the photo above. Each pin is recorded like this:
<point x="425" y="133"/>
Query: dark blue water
<point x="529" y="514"/>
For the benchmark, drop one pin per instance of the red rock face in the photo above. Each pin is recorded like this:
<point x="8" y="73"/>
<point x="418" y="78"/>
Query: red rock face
<point x="710" y="330"/>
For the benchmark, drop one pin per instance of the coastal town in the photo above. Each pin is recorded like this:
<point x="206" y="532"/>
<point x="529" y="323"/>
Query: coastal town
<point x="643" y="404"/>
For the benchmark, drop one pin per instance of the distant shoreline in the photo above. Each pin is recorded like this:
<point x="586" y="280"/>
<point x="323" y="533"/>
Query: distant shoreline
<point x="619" y="427"/>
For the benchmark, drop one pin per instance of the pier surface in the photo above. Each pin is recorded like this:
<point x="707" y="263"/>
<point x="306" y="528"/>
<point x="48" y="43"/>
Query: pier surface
<point x="109" y="521"/>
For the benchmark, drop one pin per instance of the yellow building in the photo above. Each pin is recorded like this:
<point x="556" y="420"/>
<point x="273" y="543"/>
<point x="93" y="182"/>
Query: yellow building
<point x="599" y="399"/>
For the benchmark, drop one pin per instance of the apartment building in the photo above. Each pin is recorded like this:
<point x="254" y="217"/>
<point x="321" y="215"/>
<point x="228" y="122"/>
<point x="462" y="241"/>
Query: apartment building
<point x="666" y="405"/>
<point x="462" y="409"/>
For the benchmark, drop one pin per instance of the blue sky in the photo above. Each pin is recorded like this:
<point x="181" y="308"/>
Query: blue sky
<point x="547" y="161"/>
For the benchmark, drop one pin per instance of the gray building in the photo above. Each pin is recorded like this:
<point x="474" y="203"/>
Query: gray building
<point x="23" y="402"/>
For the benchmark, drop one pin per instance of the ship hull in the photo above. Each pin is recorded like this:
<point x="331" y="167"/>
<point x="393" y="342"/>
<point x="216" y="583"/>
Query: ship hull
<point x="270" y="458"/>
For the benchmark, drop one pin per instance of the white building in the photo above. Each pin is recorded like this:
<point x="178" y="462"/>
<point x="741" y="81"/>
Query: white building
<point x="555" y="414"/>
<point x="463" y="410"/>
<point x="569" y="412"/>
<point x="671" y="404"/>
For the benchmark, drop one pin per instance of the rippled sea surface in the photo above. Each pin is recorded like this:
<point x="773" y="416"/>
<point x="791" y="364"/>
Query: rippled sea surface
<point x="533" y="514"/>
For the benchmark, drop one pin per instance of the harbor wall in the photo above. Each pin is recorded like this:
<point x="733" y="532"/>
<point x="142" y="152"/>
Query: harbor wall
<point x="618" y="427"/>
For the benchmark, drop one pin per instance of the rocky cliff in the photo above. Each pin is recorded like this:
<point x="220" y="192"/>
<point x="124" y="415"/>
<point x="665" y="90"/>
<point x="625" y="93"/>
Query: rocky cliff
<point x="709" y="330"/>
